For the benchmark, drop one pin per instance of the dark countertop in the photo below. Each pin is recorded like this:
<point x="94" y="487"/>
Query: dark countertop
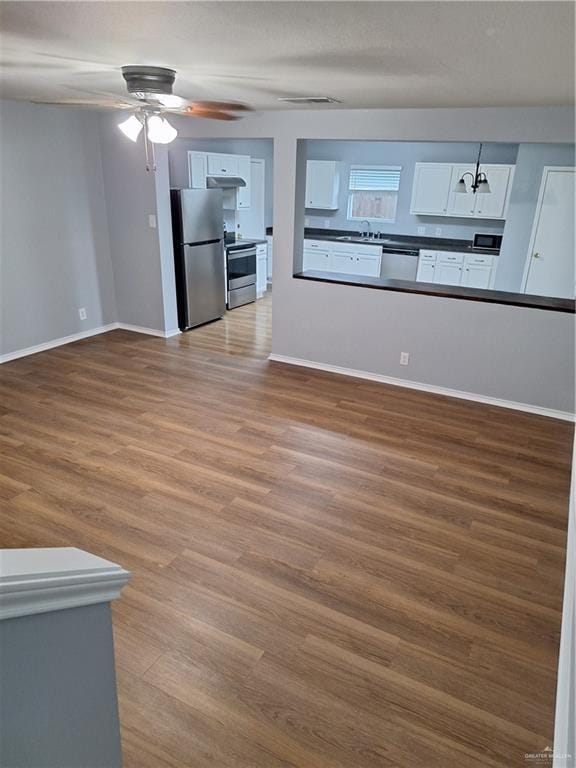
<point x="400" y="241"/>
<point x="444" y="291"/>
<point x="230" y="242"/>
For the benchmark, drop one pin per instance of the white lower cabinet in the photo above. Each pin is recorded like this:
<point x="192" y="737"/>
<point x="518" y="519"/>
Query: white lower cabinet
<point x="261" y="269"/>
<point x="345" y="258"/>
<point x="452" y="268"/>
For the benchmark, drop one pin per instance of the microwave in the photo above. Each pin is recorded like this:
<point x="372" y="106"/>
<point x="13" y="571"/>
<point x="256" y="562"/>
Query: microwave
<point x="488" y="242"/>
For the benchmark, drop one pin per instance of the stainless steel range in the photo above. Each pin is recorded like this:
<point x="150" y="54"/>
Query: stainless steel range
<point x="241" y="269"/>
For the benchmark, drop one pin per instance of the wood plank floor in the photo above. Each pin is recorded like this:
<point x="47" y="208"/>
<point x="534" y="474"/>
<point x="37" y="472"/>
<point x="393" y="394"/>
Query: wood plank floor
<point x="327" y="572"/>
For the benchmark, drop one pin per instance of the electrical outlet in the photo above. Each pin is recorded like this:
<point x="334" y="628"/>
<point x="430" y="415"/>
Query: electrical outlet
<point x="327" y="223"/>
<point x="421" y="230"/>
<point x="152" y="220"/>
<point x="404" y="358"/>
<point x="438" y="232"/>
<point x="82" y="313"/>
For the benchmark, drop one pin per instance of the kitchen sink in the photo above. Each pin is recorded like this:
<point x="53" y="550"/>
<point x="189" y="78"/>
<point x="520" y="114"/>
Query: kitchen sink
<point x="358" y="238"/>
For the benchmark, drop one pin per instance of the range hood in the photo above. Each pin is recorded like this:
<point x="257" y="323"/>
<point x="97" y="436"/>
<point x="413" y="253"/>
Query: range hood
<point x="224" y="182"/>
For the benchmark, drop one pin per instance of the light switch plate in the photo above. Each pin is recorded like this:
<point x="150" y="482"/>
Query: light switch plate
<point x="421" y="230"/>
<point x="152" y="220"/>
<point x="438" y="232"/>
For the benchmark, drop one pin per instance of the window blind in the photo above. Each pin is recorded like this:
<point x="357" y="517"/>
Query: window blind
<point x="375" y="178"/>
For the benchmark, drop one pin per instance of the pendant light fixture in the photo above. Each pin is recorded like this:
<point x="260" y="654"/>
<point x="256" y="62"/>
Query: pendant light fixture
<point x="479" y="180"/>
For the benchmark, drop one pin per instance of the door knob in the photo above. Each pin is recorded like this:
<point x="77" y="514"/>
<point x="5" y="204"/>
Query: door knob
<point x="536" y="255"/>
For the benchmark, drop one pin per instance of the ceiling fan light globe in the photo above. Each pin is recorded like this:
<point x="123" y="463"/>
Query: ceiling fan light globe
<point x="461" y="186"/>
<point x="160" y="131"/>
<point x="131" y="128"/>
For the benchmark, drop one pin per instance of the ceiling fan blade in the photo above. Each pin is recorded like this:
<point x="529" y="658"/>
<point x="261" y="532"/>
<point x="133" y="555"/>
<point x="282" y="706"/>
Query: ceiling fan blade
<point x="211" y="114"/>
<point x="94" y="103"/>
<point x="229" y="106"/>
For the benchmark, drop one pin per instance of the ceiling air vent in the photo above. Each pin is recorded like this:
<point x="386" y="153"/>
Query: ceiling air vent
<point x="310" y="100"/>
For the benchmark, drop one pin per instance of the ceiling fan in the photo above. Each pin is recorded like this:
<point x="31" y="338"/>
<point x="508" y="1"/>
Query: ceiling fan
<point x="150" y="98"/>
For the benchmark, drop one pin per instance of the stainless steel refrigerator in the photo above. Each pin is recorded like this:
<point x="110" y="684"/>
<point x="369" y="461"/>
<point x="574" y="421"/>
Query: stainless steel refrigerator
<point x="198" y="233"/>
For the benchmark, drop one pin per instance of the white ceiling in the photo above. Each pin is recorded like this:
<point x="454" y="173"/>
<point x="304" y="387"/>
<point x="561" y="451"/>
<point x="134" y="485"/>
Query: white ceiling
<point x="367" y="54"/>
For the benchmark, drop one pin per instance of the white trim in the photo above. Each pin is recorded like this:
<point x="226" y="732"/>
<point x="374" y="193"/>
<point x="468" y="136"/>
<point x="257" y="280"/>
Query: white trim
<point x="41" y="580"/>
<point x="57" y="342"/>
<point x="564" y="726"/>
<point x="147" y="331"/>
<point x="537" y="212"/>
<point x="85" y="335"/>
<point x="528" y="407"/>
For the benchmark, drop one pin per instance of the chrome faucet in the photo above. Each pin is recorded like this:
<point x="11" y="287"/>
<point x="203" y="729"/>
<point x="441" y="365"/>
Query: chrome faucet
<point x="366" y="232"/>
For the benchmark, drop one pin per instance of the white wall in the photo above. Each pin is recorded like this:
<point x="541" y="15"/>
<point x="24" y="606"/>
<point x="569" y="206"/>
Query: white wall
<point x="141" y="256"/>
<point x="565" y="725"/>
<point x="512" y="353"/>
<point x="55" y="255"/>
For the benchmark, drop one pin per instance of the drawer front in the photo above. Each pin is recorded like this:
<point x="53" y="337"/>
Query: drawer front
<point x="428" y="255"/>
<point x="450" y="257"/>
<point x="261" y="251"/>
<point x="367" y="250"/>
<point x="323" y="245"/>
<point x="480" y="259"/>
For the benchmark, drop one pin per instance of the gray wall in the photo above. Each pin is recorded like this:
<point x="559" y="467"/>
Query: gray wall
<point x="529" y="167"/>
<point x="54" y="253"/>
<point x="259" y="148"/>
<point x="137" y="259"/>
<point x="524" y="355"/>
<point x="405" y="154"/>
<point x="58" y="705"/>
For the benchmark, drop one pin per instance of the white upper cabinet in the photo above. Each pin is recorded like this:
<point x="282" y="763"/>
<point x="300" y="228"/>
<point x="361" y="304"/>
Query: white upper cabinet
<point x="197" y="169"/>
<point x="222" y="165"/>
<point x="460" y="203"/>
<point x="322" y="184"/>
<point x="434" y="184"/>
<point x="494" y="204"/>
<point x="203" y="164"/>
<point x="431" y="188"/>
<point x="244" y="172"/>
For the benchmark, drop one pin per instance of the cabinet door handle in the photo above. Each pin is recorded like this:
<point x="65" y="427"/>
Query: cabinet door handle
<point x="536" y="255"/>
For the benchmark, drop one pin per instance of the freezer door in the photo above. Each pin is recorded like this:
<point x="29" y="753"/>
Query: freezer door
<point x="202" y="216"/>
<point x="205" y="282"/>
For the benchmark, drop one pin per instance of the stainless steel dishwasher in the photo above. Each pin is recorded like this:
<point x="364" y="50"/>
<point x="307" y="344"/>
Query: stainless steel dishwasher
<point x="399" y="263"/>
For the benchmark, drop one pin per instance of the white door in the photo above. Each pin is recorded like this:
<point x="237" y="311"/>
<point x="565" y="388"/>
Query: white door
<point x="252" y="219"/>
<point x="461" y="203"/>
<point x="447" y="273"/>
<point x="316" y="259"/>
<point x="550" y="262"/>
<point x="431" y="188"/>
<point x="367" y="265"/>
<point x="492" y="205"/>
<point x="477" y="276"/>
<point x="344" y="262"/>
<point x="426" y="271"/>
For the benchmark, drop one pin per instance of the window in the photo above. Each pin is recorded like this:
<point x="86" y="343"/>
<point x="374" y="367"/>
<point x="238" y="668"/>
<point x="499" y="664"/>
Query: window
<point x="373" y="192"/>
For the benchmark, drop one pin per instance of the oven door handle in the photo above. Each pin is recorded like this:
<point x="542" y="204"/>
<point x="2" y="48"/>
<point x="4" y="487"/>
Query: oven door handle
<point x="241" y="254"/>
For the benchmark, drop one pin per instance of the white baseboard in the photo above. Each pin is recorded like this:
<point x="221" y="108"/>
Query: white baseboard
<point x="57" y="342"/>
<point x="147" y="331"/>
<point x="84" y="335"/>
<point x="527" y="407"/>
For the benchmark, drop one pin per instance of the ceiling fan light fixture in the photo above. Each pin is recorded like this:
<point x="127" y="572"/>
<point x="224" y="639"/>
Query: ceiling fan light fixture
<point x="160" y="131"/>
<point x="131" y="128"/>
